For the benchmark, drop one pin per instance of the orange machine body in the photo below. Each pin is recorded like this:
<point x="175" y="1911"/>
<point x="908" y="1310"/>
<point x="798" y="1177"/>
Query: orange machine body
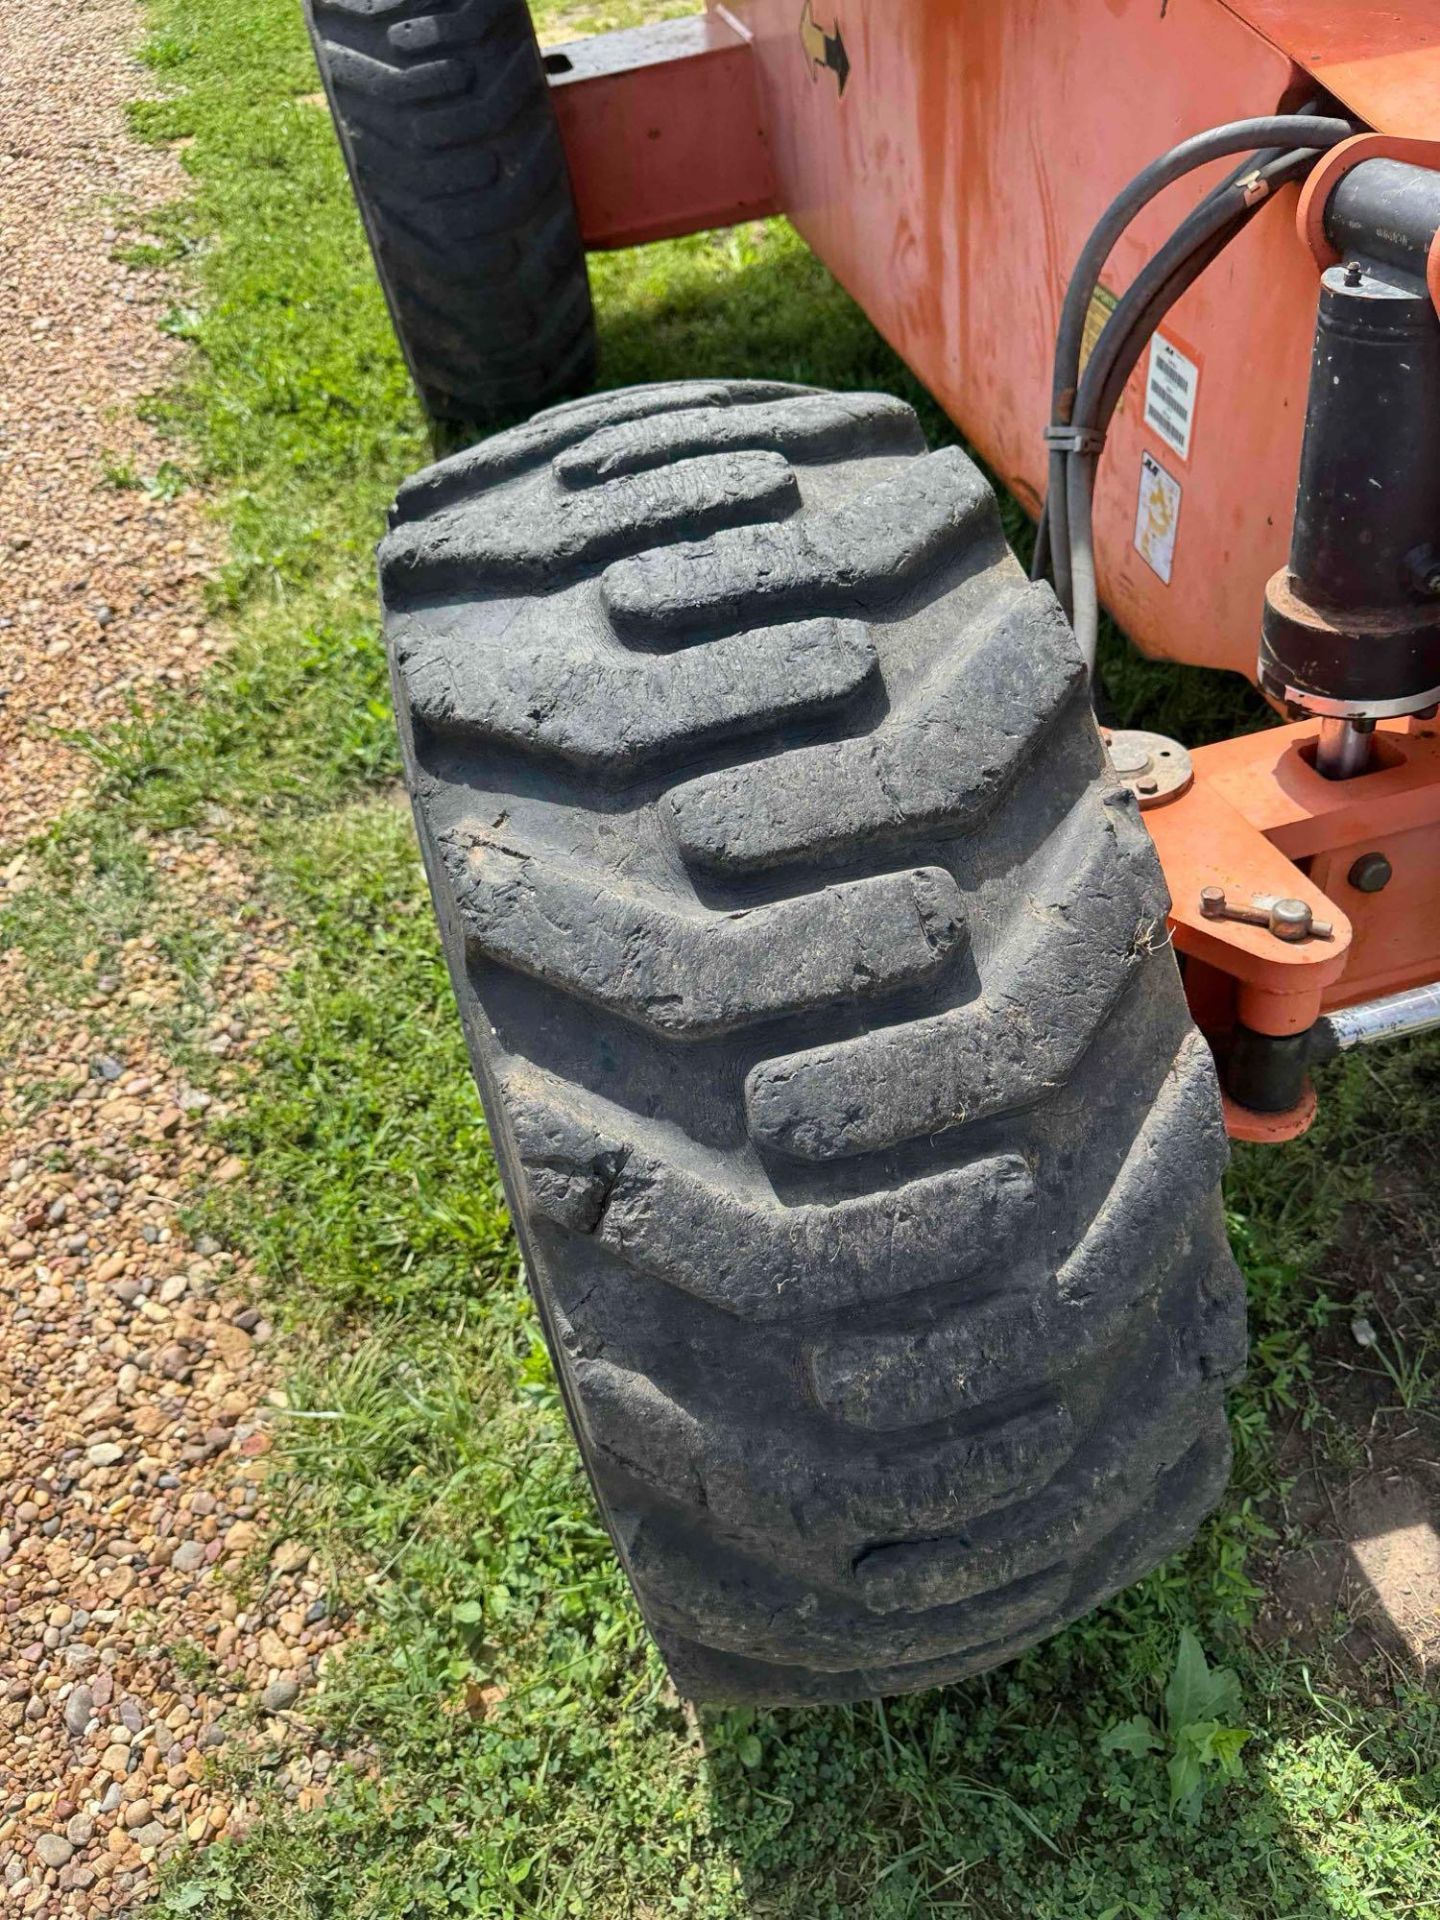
<point x="951" y="187"/>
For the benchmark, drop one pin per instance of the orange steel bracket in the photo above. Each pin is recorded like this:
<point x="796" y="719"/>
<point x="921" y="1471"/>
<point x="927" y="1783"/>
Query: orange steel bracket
<point x="1331" y="169"/>
<point x="1260" y="821"/>
<point x="662" y="130"/>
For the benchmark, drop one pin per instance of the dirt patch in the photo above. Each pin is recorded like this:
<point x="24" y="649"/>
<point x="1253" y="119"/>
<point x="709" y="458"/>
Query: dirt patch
<point x="1366" y="1575"/>
<point x="1395" y="1544"/>
<point x="1357" y="1567"/>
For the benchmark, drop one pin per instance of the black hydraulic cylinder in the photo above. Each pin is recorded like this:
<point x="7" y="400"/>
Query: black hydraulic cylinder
<point x="1352" y="625"/>
<point x="1266" y="1071"/>
<point x="1369" y="492"/>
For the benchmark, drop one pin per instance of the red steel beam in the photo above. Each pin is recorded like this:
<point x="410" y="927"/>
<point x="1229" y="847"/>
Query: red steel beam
<point x="662" y="130"/>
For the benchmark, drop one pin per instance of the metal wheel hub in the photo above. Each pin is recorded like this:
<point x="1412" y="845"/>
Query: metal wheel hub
<point x="1155" y="768"/>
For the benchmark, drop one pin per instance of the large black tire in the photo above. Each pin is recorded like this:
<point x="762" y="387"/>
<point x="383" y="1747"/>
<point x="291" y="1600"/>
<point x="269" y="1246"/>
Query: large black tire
<point x="444" y="116"/>
<point x="863" y="1155"/>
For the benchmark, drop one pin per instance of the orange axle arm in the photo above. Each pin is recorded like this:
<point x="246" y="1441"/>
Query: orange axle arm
<point x="1259" y="821"/>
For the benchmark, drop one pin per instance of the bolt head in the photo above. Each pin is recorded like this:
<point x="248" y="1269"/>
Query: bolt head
<point x="1128" y="758"/>
<point x="1371" y="873"/>
<point x="1212" y="901"/>
<point x="1156" y="769"/>
<point x="1290" y="920"/>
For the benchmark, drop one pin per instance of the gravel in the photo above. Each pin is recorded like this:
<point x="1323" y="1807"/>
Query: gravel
<point x="79" y="1709"/>
<point x="135" y="1420"/>
<point x="100" y="585"/>
<point x="280" y="1695"/>
<point x="137" y="1389"/>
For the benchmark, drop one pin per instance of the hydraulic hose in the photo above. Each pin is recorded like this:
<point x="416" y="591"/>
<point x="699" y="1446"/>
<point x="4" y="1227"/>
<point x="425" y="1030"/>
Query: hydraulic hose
<point x="1195" y="243"/>
<point x="1055" y="504"/>
<point x="1279" y="132"/>
<point x="1180" y="262"/>
<point x="1064" y="544"/>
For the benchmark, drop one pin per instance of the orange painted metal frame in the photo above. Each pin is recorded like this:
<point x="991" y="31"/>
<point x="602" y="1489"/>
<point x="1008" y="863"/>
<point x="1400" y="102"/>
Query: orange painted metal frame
<point x="1382" y="61"/>
<point x="950" y="189"/>
<point x="662" y="131"/>
<point x="950" y="183"/>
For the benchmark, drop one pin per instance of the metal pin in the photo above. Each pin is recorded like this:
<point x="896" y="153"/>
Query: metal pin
<point x="1288" y="920"/>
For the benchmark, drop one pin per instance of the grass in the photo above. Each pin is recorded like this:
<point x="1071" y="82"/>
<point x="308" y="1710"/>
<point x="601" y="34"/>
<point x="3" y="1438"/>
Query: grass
<point x="526" y="1756"/>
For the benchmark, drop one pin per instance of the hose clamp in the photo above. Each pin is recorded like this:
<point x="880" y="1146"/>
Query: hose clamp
<point x="1074" y="439"/>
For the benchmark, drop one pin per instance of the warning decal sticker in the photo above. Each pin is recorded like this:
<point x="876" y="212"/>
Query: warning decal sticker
<point x="824" y="49"/>
<point x="1171" y="388"/>
<point x="1157" y="517"/>
<point x="1102" y="304"/>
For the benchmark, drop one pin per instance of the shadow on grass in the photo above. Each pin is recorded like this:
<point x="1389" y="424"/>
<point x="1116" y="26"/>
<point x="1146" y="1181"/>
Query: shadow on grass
<point x="991" y="1798"/>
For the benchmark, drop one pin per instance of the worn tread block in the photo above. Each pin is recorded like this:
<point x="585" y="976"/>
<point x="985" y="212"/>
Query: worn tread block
<point x="972" y="1355"/>
<point x="415" y="86"/>
<point x="451" y="249"/>
<point x="734" y="1604"/>
<point x="609" y="711"/>
<point x="751" y="1256"/>
<point x="507" y="361"/>
<point x="1044" y="995"/>
<point x="1072" y="1515"/>
<point x="367" y="10"/>
<point x="529" y="175"/>
<point x="507" y="368"/>
<point x="1178" y="1502"/>
<point x="573" y="363"/>
<point x="504" y="333"/>
<point x="693" y="975"/>
<point x="414" y="190"/>
<point x="506" y="455"/>
<point x="431" y="182"/>
<point x="946" y="761"/>
<point x="699" y="1459"/>
<point x="425" y="32"/>
<point x="545" y="535"/>
<point x="857" y="558"/>
<point x="811" y="426"/>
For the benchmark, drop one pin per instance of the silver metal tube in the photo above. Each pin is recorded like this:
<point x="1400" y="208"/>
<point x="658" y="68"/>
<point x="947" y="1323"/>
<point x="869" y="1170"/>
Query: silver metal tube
<point x="1398" y="1015"/>
<point x="1343" y="749"/>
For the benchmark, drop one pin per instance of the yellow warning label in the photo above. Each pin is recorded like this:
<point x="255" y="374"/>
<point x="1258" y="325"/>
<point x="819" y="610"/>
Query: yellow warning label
<point x="1102" y="304"/>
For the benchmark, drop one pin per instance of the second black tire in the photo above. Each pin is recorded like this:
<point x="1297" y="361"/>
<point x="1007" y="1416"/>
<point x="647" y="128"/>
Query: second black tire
<point x="444" y="117"/>
<point x="814" y="965"/>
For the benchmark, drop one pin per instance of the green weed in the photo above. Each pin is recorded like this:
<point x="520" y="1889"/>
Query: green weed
<point x="1200" y="1705"/>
